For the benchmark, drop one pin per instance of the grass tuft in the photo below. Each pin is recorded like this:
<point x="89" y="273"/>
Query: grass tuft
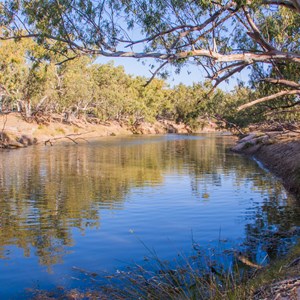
<point x="198" y="277"/>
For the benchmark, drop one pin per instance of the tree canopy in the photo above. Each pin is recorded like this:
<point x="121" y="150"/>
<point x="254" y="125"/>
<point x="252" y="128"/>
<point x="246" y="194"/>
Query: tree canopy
<point x="222" y="37"/>
<point x="83" y="89"/>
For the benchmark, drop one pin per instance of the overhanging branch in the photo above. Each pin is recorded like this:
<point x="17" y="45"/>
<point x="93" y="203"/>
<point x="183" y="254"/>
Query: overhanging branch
<point x="268" y="98"/>
<point x="285" y="82"/>
<point x="155" y="73"/>
<point x="292" y="4"/>
<point x="218" y="80"/>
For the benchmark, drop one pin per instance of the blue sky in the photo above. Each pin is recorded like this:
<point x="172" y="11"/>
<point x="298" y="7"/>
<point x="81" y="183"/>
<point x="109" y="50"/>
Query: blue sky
<point x="141" y="68"/>
<point x="188" y="75"/>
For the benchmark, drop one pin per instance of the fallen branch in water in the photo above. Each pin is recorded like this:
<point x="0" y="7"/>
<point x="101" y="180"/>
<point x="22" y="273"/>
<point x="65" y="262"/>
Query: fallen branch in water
<point x="68" y="136"/>
<point x="247" y="262"/>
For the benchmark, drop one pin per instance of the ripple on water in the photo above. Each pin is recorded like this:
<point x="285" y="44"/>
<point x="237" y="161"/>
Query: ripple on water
<point x="106" y="204"/>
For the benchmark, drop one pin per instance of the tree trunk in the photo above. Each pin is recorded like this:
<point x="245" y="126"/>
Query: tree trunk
<point x="25" y="107"/>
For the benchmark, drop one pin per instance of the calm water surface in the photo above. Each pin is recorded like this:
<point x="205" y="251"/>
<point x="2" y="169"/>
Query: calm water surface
<point x="97" y="206"/>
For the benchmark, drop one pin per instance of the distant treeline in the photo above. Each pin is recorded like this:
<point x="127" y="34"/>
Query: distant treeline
<point x="39" y="83"/>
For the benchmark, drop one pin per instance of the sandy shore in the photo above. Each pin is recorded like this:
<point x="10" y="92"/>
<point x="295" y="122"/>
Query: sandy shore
<point x="15" y="132"/>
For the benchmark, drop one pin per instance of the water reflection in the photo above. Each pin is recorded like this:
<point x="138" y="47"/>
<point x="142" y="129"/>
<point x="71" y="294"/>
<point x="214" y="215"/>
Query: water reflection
<point x="46" y="192"/>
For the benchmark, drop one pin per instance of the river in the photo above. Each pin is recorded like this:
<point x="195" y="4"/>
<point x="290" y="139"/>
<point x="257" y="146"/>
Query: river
<point x="104" y="205"/>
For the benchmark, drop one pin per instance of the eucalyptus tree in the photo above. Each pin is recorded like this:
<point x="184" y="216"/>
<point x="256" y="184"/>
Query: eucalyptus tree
<point x="79" y="88"/>
<point x="113" y="94"/>
<point x="222" y="37"/>
<point x="24" y="81"/>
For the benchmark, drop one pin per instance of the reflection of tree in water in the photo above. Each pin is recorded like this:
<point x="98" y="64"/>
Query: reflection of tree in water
<point x="274" y="227"/>
<point x="273" y="223"/>
<point x="44" y="192"/>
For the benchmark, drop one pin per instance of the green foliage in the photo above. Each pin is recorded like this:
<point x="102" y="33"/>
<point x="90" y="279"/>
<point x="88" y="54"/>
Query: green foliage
<point x="186" y="102"/>
<point x="82" y="88"/>
<point x="22" y="79"/>
<point x="221" y="37"/>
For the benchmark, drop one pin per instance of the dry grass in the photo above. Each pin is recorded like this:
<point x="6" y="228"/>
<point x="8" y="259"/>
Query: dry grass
<point x="279" y="272"/>
<point x="195" y="278"/>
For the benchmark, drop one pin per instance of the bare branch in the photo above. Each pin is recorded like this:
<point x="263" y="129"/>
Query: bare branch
<point x="289" y="83"/>
<point x="155" y="73"/>
<point x="226" y="68"/>
<point x="256" y="35"/>
<point x="153" y="37"/>
<point x="203" y="34"/>
<point x="67" y="59"/>
<point x="68" y="136"/>
<point x="226" y="76"/>
<point x="207" y="22"/>
<point x="268" y="98"/>
<point x="190" y="28"/>
<point x="220" y="118"/>
<point x="277" y="112"/>
<point x="248" y="57"/>
<point x="292" y="4"/>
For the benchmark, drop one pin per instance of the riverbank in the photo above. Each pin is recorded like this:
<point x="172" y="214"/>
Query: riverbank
<point x="16" y="132"/>
<point x="279" y="152"/>
<point x="280" y="280"/>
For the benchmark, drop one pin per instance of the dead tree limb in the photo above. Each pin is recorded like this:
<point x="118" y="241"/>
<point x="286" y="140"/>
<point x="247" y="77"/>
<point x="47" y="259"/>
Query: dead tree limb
<point x="68" y="136"/>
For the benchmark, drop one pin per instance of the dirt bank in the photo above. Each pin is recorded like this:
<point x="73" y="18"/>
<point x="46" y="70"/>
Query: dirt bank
<point x="278" y="152"/>
<point x="283" y="159"/>
<point x="15" y="132"/>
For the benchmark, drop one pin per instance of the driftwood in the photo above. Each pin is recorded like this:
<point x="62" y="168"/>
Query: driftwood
<point x="247" y="262"/>
<point x="69" y="137"/>
<point x="285" y="289"/>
